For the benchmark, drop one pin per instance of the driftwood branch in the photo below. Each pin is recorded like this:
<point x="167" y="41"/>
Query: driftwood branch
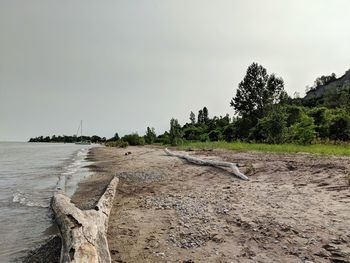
<point x="199" y="161"/>
<point x="83" y="232"/>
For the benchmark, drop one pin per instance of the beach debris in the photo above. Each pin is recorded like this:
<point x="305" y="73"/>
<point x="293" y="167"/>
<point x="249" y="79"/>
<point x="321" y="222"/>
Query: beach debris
<point x="83" y="232"/>
<point x="199" y="161"/>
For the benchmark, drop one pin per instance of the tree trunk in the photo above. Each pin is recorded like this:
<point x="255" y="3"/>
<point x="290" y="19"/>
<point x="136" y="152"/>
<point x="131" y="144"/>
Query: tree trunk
<point x="199" y="161"/>
<point x="83" y="232"/>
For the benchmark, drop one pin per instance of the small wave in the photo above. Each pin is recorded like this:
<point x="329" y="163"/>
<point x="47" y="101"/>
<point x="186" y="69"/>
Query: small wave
<point x="72" y="173"/>
<point x="22" y="199"/>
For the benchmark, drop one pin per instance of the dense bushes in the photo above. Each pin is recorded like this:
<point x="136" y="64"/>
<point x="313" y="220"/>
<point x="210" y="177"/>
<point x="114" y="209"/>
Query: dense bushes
<point x="119" y="143"/>
<point x="133" y="139"/>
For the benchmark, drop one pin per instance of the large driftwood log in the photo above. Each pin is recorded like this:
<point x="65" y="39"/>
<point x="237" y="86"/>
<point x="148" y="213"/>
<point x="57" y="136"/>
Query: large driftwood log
<point x="83" y="232"/>
<point x="199" y="161"/>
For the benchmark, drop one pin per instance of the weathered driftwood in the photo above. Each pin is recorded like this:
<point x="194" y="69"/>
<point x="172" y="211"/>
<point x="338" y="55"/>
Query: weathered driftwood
<point x="196" y="160"/>
<point x="83" y="232"/>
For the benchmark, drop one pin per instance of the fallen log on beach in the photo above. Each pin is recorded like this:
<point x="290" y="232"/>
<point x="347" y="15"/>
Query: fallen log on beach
<point x="83" y="232"/>
<point x="199" y="161"/>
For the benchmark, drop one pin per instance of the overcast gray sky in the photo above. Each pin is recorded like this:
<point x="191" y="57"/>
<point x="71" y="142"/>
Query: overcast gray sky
<point x="124" y="65"/>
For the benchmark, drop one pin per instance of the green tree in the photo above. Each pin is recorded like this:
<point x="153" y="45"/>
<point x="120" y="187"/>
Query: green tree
<point x="303" y="132"/>
<point x="205" y="115"/>
<point x="256" y="92"/>
<point x="339" y="126"/>
<point x="200" y="118"/>
<point x="192" y="118"/>
<point x="133" y="139"/>
<point x="324" y="80"/>
<point x="175" y="134"/>
<point x="272" y="128"/>
<point x="150" y="135"/>
<point x="116" y="137"/>
<point x="215" y="135"/>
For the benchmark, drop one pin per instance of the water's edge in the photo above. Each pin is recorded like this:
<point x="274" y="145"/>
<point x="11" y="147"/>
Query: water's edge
<point x="49" y="250"/>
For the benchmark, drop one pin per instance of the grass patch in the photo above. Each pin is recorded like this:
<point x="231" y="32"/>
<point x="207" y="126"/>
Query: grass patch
<point x="324" y="149"/>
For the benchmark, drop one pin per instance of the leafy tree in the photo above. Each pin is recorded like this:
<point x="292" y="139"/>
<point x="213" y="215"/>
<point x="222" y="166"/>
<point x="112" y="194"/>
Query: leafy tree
<point x="215" y="135"/>
<point x="205" y="115"/>
<point x="294" y="114"/>
<point x="175" y="134"/>
<point x="116" y="136"/>
<point x="200" y="117"/>
<point x="321" y="117"/>
<point x="150" y="136"/>
<point x="193" y="133"/>
<point x="345" y="98"/>
<point x="324" y="80"/>
<point x="339" y="127"/>
<point x="192" y="118"/>
<point x="229" y="133"/>
<point x="272" y="128"/>
<point x="257" y="92"/>
<point x="303" y="132"/>
<point x="133" y="139"/>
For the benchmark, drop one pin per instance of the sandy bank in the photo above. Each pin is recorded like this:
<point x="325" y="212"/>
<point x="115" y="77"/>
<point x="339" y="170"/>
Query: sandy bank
<point x="295" y="208"/>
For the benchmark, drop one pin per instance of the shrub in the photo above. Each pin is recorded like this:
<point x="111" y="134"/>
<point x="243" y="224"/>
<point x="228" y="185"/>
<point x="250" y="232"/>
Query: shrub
<point x="339" y="126"/>
<point x="150" y="136"/>
<point x="229" y="133"/>
<point x="215" y="135"/>
<point x="294" y="114"/>
<point x="175" y="133"/>
<point x="204" y="137"/>
<point x="193" y="133"/>
<point x="303" y="132"/>
<point x="119" y="143"/>
<point x="272" y="128"/>
<point x="133" y="139"/>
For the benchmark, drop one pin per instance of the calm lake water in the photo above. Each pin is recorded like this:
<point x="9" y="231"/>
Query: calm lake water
<point x="29" y="175"/>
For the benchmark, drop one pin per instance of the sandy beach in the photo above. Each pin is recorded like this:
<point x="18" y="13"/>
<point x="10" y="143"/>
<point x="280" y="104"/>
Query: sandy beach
<point x="295" y="208"/>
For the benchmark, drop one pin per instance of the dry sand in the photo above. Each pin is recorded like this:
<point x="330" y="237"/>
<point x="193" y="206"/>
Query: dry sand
<point x="295" y="208"/>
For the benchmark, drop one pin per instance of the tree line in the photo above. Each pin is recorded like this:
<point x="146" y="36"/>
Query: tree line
<point x="264" y="113"/>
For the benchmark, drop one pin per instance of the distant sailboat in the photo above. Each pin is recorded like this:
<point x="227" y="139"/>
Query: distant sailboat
<point x="81" y="142"/>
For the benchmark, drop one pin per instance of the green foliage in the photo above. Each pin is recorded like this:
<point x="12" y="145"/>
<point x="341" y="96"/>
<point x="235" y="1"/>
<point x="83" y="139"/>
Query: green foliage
<point x="133" y="139"/>
<point x="150" y="135"/>
<point x="175" y="133"/>
<point x="345" y="98"/>
<point x="324" y="149"/>
<point x="324" y="80"/>
<point x="118" y="143"/>
<point x="215" y="135"/>
<point x="68" y="139"/>
<point x="303" y="132"/>
<point x="272" y="128"/>
<point x="203" y="116"/>
<point x="294" y="114"/>
<point x="193" y="133"/>
<point x="204" y="137"/>
<point x="163" y="138"/>
<point x="229" y="133"/>
<point x="257" y="92"/>
<point x="192" y="118"/>
<point x="339" y="126"/>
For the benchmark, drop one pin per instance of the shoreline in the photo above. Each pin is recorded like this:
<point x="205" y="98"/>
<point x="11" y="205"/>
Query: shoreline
<point x="168" y="210"/>
<point x="86" y="194"/>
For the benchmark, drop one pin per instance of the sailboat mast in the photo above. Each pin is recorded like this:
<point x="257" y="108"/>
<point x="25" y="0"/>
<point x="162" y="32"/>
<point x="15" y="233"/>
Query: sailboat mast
<point x="81" y="131"/>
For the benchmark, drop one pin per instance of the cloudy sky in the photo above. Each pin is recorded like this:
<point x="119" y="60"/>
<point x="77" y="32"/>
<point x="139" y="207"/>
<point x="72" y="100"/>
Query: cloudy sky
<point x="124" y="65"/>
